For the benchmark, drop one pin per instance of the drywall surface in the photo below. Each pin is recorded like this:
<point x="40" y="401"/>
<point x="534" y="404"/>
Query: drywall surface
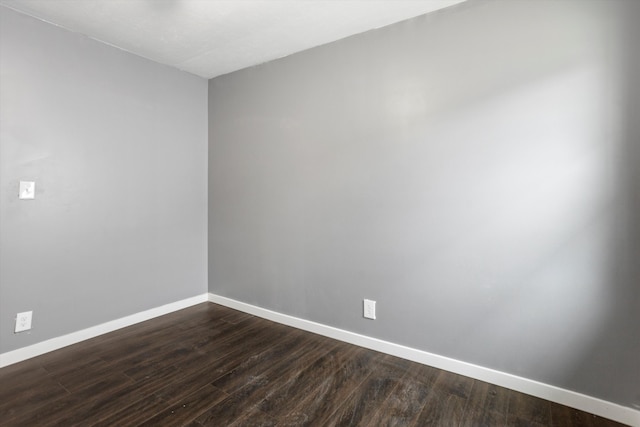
<point x="117" y="147"/>
<point x="474" y="171"/>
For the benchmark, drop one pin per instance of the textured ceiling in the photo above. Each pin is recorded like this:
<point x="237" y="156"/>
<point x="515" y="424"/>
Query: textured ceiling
<point x="211" y="37"/>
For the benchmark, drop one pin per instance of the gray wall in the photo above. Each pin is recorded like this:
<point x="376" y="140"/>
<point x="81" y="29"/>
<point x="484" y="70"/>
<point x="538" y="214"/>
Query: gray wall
<point x="117" y="146"/>
<point x="474" y="171"/>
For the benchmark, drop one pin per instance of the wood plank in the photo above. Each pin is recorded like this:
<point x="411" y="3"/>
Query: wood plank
<point x="234" y="407"/>
<point x="339" y="375"/>
<point x="404" y="404"/>
<point x="187" y="409"/>
<point x="254" y="364"/>
<point x="211" y="365"/>
<point x="566" y="416"/>
<point x="445" y="403"/>
<point x="24" y="391"/>
<point x="254" y="418"/>
<point x="76" y="407"/>
<point x="362" y="406"/>
<point x="136" y="413"/>
<point x="488" y="405"/>
<point x="247" y="398"/>
<point x="528" y="409"/>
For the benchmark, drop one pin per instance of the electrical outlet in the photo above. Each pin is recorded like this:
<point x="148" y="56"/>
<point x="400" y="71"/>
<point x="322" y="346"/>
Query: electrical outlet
<point x="369" y="309"/>
<point x="27" y="190"/>
<point x="23" y="321"/>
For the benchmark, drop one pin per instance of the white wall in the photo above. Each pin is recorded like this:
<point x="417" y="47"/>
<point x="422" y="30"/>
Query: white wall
<point x="473" y="170"/>
<point x="117" y="146"/>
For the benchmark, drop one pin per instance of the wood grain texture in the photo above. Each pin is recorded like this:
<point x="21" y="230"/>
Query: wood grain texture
<point x="209" y="365"/>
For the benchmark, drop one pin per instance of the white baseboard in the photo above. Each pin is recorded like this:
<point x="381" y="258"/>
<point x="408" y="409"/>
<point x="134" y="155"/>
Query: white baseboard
<point x="52" y="344"/>
<point x="579" y="401"/>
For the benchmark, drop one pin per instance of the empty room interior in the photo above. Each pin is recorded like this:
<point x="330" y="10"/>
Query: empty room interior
<point x="320" y="212"/>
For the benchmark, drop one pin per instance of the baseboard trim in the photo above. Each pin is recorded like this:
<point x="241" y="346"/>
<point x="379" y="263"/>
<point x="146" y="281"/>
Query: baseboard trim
<point x="565" y="397"/>
<point x="52" y="344"/>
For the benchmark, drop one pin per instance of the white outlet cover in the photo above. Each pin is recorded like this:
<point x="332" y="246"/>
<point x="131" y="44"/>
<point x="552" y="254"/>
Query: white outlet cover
<point x="27" y="190"/>
<point x="369" y="309"/>
<point x="23" y="321"/>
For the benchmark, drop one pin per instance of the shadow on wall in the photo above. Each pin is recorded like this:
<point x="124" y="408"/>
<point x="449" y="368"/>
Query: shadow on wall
<point x="558" y="263"/>
<point x="621" y="368"/>
<point x="578" y="293"/>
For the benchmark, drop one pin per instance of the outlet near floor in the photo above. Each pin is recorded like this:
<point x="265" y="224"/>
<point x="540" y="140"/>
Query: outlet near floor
<point x="369" y="309"/>
<point x="23" y="321"/>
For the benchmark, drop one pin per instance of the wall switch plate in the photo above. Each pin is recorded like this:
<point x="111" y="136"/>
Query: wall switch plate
<point x="23" y="321"/>
<point x="369" y="309"/>
<point x="27" y="190"/>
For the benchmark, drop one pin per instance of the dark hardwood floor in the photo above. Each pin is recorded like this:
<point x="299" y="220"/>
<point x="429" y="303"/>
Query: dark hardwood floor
<point x="212" y="366"/>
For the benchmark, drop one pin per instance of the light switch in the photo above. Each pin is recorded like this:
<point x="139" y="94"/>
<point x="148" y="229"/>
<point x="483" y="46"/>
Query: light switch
<point x="27" y="190"/>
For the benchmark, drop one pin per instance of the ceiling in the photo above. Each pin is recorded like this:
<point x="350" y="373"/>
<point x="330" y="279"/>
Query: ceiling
<point x="211" y="37"/>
